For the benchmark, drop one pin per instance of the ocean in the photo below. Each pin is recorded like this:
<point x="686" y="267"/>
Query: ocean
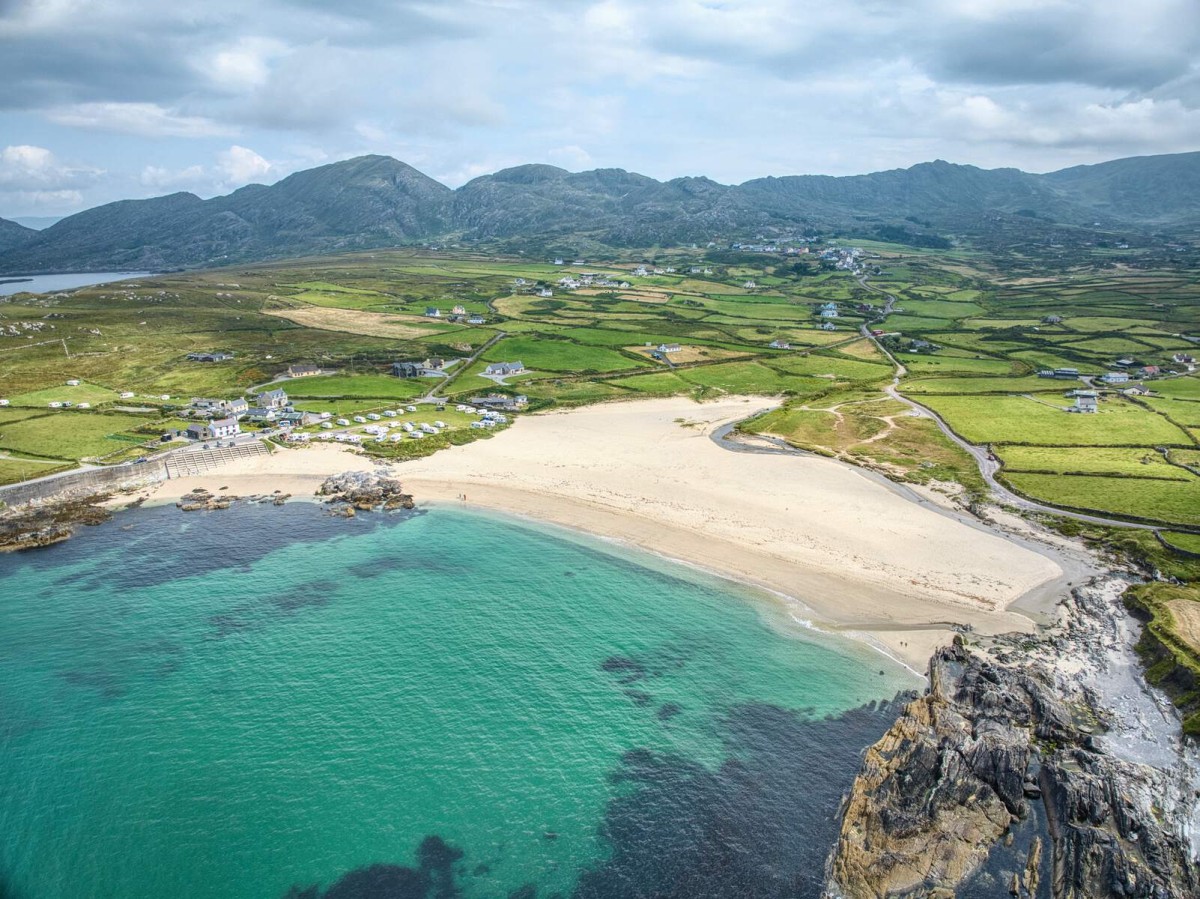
<point x="272" y="702"/>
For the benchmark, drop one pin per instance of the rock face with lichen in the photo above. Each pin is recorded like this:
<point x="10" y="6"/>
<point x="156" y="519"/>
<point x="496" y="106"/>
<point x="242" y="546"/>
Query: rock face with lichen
<point x="994" y="783"/>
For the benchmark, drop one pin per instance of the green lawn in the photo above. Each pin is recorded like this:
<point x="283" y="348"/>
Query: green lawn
<point x="1168" y="501"/>
<point x="84" y="393"/>
<point x="1140" y="462"/>
<point x="1011" y="419"/>
<point x="559" y="355"/>
<point x="984" y="385"/>
<point x="71" y="435"/>
<point x="378" y="386"/>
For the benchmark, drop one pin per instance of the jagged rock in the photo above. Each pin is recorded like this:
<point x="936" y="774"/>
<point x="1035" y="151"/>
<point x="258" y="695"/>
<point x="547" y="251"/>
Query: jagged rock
<point x="940" y="789"/>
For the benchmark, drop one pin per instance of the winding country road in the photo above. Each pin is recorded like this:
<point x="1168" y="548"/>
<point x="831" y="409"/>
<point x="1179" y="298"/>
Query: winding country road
<point x="984" y="459"/>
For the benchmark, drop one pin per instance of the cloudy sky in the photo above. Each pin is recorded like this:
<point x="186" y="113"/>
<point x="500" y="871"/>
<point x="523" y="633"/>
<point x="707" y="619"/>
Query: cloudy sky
<point x="107" y="99"/>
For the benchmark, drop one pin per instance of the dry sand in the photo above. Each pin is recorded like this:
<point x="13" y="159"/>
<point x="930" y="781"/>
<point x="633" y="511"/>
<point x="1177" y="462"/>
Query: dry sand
<point x="843" y="551"/>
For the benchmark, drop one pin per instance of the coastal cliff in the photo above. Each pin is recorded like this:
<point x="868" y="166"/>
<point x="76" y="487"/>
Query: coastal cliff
<point x="1014" y="775"/>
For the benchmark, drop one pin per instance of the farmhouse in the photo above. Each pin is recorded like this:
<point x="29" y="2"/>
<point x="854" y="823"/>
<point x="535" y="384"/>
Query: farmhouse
<point x="1060" y="374"/>
<point x="303" y="371"/>
<point x="476" y="320"/>
<point x="214" y="430"/>
<point x="1085" y="401"/>
<point x="459" y="310"/>
<point x="780" y="345"/>
<point x="272" y="399"/>
<point x="418" y="369"/>
<point x="209" y="357"/>
<point x="1136" y="390"/>
<point x="669" y="348"/>
<point x="1052" y="320"/>
<point x="1115" y="377"/>
<point x="500" y="401"/>
<point x="433" y="312"/>
<point x="828" y="310"/>
<point x="1150" y="371"/>
<point x="233" y="408"/>
<point x="504" y="368"/>
<point x="830" y="326"/>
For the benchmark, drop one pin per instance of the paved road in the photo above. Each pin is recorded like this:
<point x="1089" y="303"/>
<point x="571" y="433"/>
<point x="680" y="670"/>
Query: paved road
<point x="988" y="466"/>
<point x="433" y="395"/>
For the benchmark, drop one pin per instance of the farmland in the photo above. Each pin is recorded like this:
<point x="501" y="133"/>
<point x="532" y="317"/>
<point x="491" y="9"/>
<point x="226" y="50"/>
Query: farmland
<point x="970" y="338"/>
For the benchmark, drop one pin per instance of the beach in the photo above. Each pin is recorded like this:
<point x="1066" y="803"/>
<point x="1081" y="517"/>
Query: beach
<point x="837" y="549"/>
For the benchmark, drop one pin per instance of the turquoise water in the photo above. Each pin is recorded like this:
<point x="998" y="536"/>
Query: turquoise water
<point x="264" y="700"/>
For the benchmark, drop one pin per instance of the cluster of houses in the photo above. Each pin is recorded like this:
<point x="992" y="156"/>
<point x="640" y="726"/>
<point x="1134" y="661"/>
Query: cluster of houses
<point x="784" y="248"/>
<point x="847" y="259"/>
<point x="828" y="312"/>
<point x="457" y="314"/>
<point x="588" y="279"/>
<point x="217" y="419"/>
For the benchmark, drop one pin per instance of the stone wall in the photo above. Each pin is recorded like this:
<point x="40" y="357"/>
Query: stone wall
<point x="84" y="483"/>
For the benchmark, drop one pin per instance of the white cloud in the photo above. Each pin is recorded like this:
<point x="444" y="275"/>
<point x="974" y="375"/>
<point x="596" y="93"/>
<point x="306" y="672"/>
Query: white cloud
<point x="30" y="167"/>
<point x="142" y="119"/>
<point x="241" y="165"/>
<point x="244" y="64"/>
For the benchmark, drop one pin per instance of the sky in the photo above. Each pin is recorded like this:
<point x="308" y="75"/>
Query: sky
<point x="103" y="100"/>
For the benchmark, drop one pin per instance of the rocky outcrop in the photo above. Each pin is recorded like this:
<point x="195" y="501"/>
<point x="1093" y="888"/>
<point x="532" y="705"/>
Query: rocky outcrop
<point x="44" y="524"/>
<point x="201" y="500"/>
<point x="364" y="491"/>
<point x="999" y="781"/>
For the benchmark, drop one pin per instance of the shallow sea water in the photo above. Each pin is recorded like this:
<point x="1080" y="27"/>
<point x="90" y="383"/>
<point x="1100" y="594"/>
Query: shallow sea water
<point x="269" y="702"/>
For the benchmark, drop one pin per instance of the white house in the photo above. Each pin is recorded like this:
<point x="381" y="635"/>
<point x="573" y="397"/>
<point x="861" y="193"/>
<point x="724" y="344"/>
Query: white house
<point x="433" y="312"/>
<point x="1115" y="377"/>
<point x="73" y="382"/>
<point x="669" y="348"/>
<point x="1085" y="401"/>
<point x="780" y="345"/>
<point x="504" y="368"/>
<point x="214" y="430"/>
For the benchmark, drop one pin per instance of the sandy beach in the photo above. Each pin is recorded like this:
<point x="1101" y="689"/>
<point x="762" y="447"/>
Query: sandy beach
<point x="843" y="551"/>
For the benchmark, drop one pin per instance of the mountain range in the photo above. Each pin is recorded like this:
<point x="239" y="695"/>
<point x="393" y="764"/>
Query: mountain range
<point x="377" y="201"/>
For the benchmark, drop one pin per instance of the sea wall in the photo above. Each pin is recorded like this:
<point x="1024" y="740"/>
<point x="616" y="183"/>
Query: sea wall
<point x="83" y="483"/>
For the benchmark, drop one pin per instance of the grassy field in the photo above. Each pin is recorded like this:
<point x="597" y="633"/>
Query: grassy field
<point x="72" y="436"/>
<point x="352" y="386"/>
<point x="1015" y="419"/>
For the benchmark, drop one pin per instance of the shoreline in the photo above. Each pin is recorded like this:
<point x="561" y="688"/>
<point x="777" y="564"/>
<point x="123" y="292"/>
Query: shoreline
<point x="879" y="563"/>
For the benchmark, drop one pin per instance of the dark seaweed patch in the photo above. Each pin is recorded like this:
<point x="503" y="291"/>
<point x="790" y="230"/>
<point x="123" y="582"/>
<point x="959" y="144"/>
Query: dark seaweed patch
<point x="668" y="710"/>
<point x="758" y="827"/>
<point x="433" y="878"/>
